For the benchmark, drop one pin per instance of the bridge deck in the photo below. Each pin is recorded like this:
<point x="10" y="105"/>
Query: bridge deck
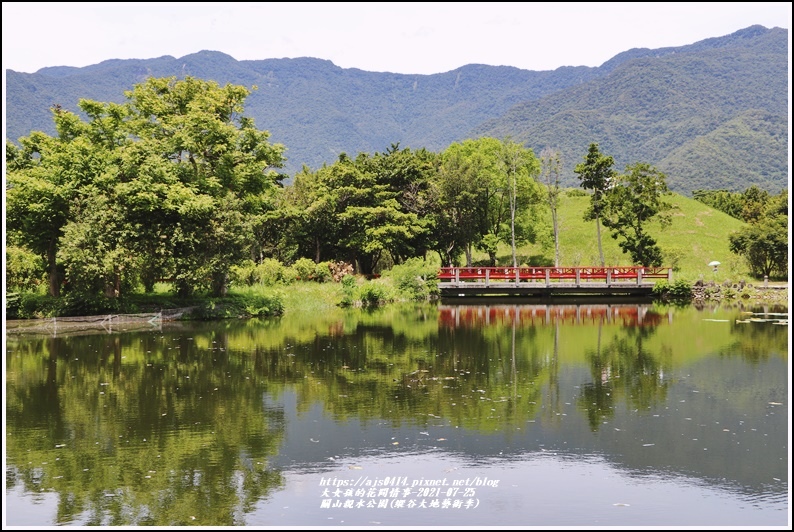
<point x="550" y="281"/>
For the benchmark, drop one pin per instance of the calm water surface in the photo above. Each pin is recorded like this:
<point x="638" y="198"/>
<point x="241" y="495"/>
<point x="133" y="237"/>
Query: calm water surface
<point x="418" y="415"/>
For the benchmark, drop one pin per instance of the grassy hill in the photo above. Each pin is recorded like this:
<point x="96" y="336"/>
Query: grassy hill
<point x="697" y="236"/>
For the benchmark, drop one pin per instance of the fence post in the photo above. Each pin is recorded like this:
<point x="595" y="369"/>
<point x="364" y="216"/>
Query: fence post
<point x="548" y="283"/>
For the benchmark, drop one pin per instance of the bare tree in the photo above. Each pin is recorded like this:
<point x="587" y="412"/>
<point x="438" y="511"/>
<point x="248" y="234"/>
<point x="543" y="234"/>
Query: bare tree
<point x="550" y="170"/>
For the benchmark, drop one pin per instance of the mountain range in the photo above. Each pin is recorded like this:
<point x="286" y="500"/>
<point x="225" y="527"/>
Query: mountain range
<point x="710" y="115"/>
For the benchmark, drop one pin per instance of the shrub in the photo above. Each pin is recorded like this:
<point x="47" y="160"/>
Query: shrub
<point x="673" y="256"/>
<point x="270" y="272"/>
<point x="340" y="269"/>
<point x="678" y="290"/>
<point x="243" y="274"/>
<point x="322" y="272"/>
<point x="373" y="293"/>
<point x="728" y="292"/>
<point x="416" y="278"/>
<point x="24" y="269"/>
<point x="239" y="306"/>
<point x="349" y="285"/>
<point x="304" y="269"/>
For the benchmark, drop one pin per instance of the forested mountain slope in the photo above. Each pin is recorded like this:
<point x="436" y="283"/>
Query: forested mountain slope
<point x="712" y="114"/>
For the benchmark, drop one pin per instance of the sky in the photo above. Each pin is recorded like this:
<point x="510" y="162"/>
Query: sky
<point x="399" y="37"/>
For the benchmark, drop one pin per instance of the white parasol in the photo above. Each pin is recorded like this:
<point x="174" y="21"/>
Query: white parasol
<point x="714" y="263"/>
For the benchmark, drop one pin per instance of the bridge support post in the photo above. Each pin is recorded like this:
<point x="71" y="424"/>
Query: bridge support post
<point x="547" y="277"/>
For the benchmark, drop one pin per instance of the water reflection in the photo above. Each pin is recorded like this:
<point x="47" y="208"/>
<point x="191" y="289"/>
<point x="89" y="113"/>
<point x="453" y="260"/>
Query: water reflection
<point x="227" y="423"/>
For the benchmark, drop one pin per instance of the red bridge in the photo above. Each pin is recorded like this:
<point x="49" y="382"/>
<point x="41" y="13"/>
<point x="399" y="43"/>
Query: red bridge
<point x="551" y="281"/>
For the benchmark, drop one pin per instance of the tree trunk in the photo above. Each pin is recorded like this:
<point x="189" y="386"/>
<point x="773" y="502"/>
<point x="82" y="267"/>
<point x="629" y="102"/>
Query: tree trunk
<point x="55" y="278"/>
<point x="513" y="234"/>
<point x="600" y="249"/>
<point x="219" y="285"/>
<point x="556" y="238"/>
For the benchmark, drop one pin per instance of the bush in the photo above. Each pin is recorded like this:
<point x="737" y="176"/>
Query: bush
<point x="349" y="285"/>
<point x="270" y="272"/>
<point x="678" y="290"/>
<point x="416" y="278"/>
<point x="28" y="305"/>
<point x="373" y="293"/>
<point x="322" y="272"/>
<point x="304" y="269"/>
<point x="340" y="269"/>
<point x="243" y="274"/>
<point x="24" y="269"/>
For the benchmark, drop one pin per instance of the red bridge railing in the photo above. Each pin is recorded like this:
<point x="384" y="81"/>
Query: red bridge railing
<point x="577" y="275"/>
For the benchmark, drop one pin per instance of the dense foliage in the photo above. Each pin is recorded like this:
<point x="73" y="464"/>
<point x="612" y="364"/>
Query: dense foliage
<point x="178" y="185"/>
<point x="168" y="185"/>
<point x="764" y="243"/>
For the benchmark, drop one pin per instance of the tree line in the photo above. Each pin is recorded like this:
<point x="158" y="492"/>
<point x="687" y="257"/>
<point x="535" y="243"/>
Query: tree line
<point x="764" y="241"/>
<point x="178" y="183"/>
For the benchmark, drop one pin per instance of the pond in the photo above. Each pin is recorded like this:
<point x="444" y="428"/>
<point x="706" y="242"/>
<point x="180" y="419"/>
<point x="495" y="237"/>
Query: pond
<point x="471" y="413"/>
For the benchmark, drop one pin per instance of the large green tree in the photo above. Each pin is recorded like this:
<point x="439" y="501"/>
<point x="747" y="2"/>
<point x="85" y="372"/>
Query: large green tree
<point x="764" y="243"/>
<point x="171" y="183"/>
<point x="46" y="177"/>
<point x="596" y="174"/>
<point x="633" y="201"/>
<point x="359" y="210"/>
<point x="485" y="188"/>
<point x="212" y="171"/>
<point x="455" y="192"/>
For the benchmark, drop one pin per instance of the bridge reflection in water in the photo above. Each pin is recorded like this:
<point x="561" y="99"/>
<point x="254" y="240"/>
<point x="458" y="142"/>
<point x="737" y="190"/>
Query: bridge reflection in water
<point x="465" y="316"/>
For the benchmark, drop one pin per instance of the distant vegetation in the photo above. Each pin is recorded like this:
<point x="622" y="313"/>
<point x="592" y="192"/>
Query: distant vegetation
<point x="177" y="184"/>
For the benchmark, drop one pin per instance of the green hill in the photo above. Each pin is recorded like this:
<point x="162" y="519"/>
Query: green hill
<point x="697" y="236"/>
<point x="708" y="117"/>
